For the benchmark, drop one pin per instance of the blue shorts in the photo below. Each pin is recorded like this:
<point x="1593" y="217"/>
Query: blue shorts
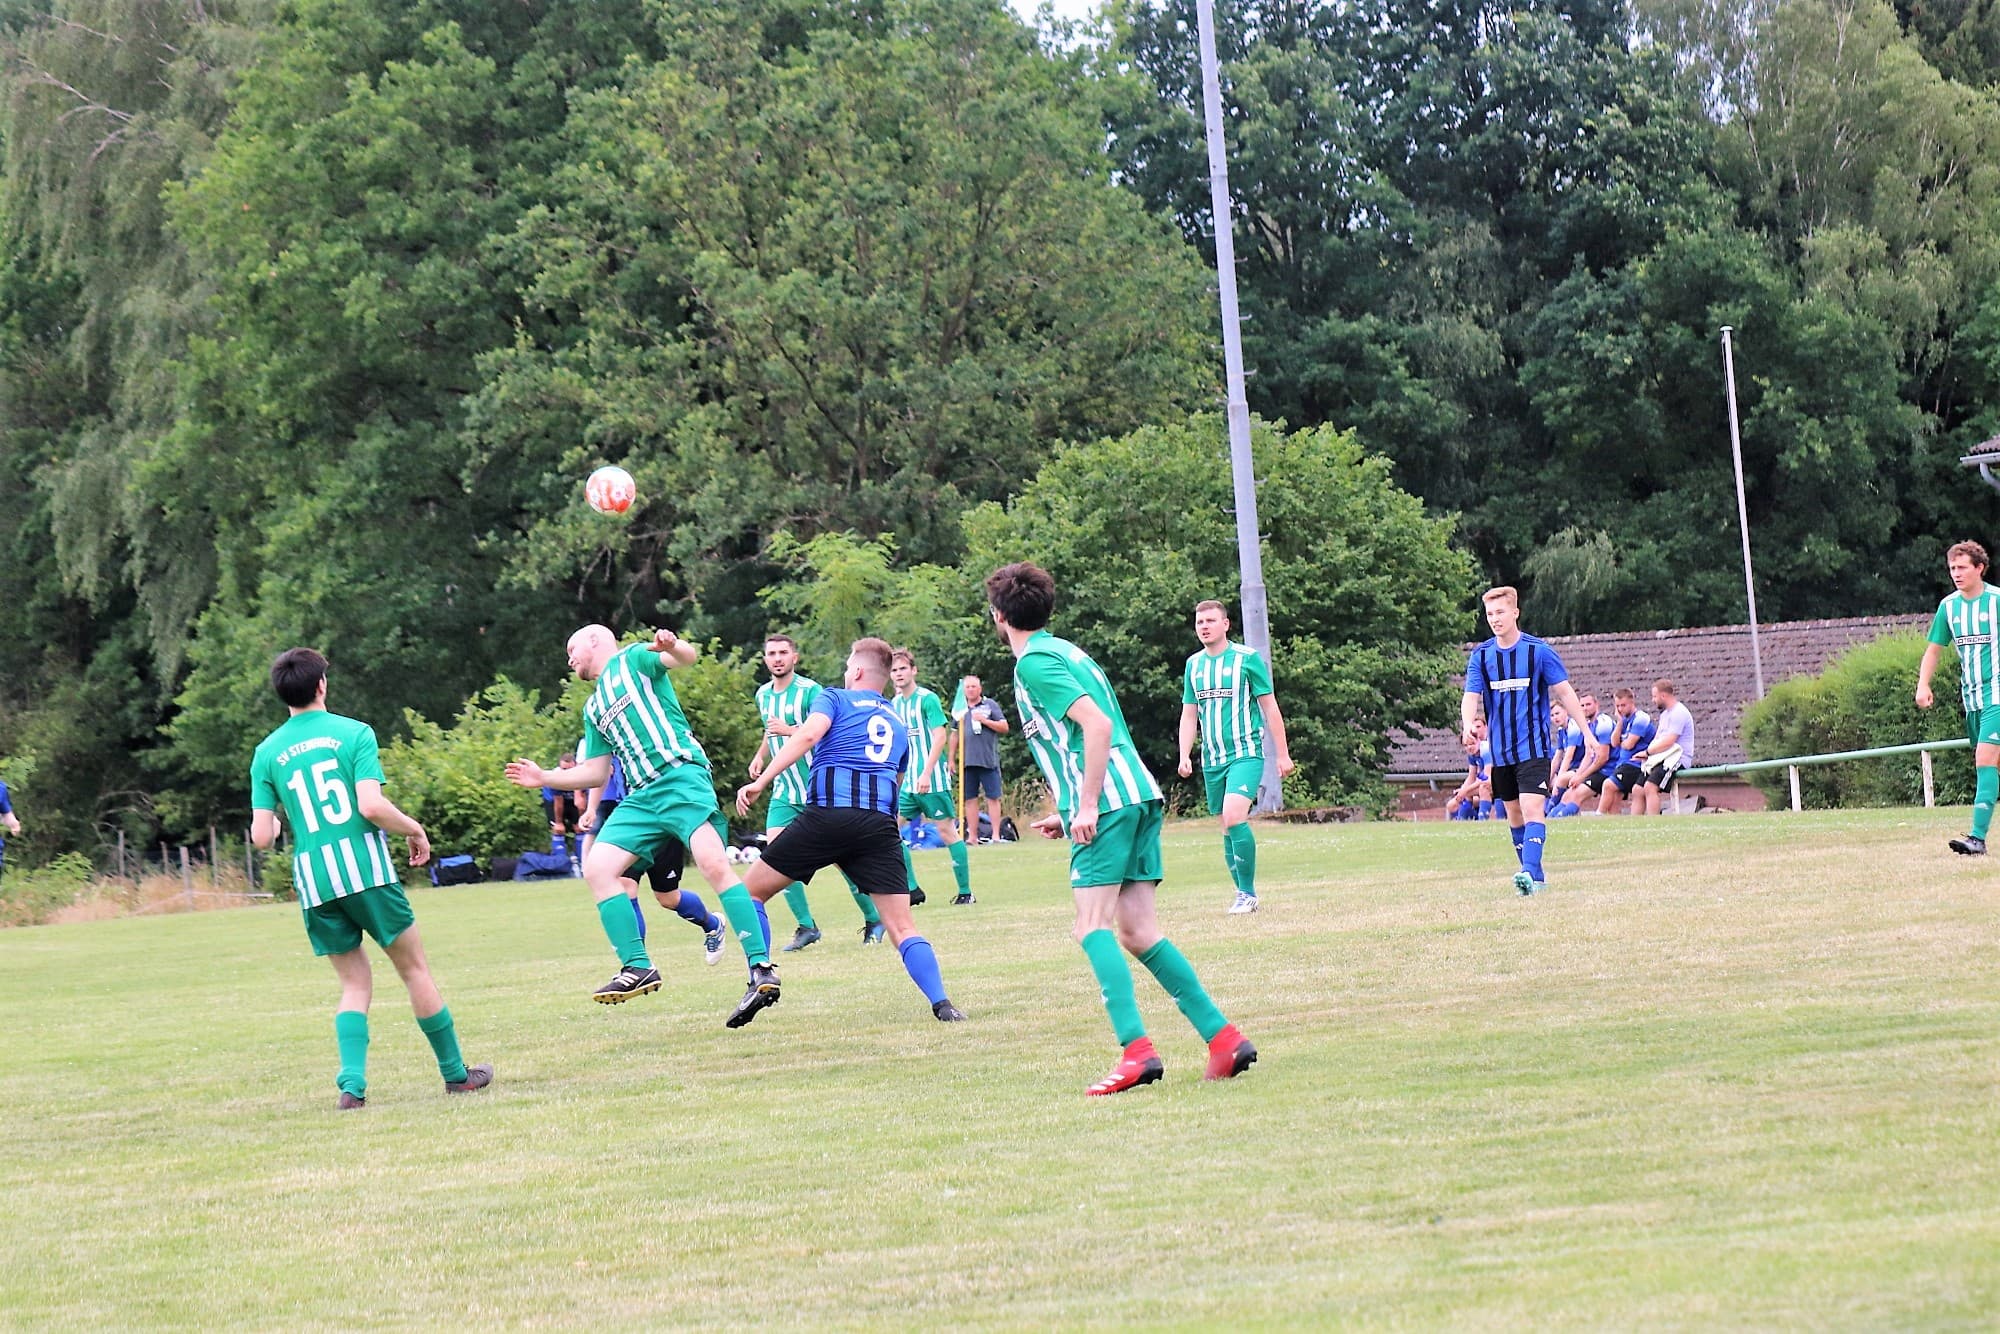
<point x="981" y="781"/>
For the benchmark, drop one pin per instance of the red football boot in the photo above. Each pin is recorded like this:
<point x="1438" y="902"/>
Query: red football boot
<point x="1229" y="1054"/>
<point x="1139" y="1065"/>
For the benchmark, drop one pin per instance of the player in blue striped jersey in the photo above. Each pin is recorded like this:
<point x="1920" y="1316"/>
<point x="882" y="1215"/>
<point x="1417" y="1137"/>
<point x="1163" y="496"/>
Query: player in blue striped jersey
<point x="859" y="746"/>
<point x="1512" y="678"/>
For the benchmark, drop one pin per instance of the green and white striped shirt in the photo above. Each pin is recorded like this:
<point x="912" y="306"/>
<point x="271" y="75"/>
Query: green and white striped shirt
<point x="1049" y="677"/>
<point x="922" y="712"/>
<point x="308" y="769"/>
<point x="1224" y="687"/>
<point x="1972" y="625"/>
<point x="635" y="714"/>
<point x="790" y="705"/>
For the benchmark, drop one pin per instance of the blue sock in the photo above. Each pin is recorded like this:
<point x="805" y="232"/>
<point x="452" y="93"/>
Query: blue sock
<point x="921" y="961"/>
<point x="640" y="915"/>
<point x="764" y="923"/>
<point x="1492" y="810"/>
<point x="556" y="846"/>
<point x="1531" y="850"/>
<point x="1520" y="837"/>
<point x="694" y="910"/>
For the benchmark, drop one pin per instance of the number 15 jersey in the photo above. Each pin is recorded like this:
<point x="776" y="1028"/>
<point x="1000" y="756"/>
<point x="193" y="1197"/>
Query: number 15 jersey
<point x="308" y="769"/>
<point x="859" y="761"/>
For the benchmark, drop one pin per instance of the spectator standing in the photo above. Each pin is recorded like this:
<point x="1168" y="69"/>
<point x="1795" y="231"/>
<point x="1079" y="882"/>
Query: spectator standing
<point x="979" y="732"/>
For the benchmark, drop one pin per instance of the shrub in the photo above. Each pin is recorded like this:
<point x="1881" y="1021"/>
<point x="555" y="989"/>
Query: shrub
<point x="1863" y="699"/>
<point x="28" y="897"/>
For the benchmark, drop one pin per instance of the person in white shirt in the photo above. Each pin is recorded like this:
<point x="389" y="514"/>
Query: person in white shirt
<point x="1672" y="747"/>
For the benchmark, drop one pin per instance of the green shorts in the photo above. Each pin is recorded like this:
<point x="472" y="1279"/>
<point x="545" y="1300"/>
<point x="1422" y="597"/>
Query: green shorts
<point x="667" y="810"/>
<point x="1982" y="726"/>
<point x="1127" y="847"/>
<point x="335" y="927"/>
<point x="1238" y="778"/>
<point x="781" y="813"/>
<point x="931" y="805"/>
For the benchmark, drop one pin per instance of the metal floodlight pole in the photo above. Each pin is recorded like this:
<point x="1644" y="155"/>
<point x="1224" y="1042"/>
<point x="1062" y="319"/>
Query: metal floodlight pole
<point x="1249" y="543"/>
<point x="1742" y="507"/>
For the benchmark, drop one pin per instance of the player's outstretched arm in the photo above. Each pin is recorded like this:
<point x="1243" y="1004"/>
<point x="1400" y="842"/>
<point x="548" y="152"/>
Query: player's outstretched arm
<point x="799" y="745"/>
<point x="673" y="650"/>
<point x="593" y="772"/>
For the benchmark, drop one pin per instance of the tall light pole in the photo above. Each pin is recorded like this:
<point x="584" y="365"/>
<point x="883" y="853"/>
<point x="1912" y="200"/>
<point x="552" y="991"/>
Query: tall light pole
<point x="1742" y="508"/>
<point x="1249" y="543"/>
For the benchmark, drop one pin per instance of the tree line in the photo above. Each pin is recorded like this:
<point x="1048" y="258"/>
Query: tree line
<point x="314" y="314"/>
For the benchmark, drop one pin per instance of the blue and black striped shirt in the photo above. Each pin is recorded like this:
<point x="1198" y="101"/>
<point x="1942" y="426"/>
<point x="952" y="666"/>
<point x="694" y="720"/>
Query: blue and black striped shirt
<point x="858" y="763"/>
<point x="1513" y="683"/>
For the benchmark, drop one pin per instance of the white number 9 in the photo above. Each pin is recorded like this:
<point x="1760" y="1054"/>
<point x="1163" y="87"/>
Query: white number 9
<point x="881" y="738"/>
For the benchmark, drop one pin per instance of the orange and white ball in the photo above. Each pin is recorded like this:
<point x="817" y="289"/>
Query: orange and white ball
<point x="610" y="490"/>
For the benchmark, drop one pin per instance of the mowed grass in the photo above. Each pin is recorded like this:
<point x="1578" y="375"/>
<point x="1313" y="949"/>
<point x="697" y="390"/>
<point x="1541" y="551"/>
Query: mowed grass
<point x="1731" y="1070"/>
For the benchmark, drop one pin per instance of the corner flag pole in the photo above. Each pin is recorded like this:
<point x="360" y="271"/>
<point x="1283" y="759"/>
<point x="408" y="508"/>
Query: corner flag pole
<point x="1742" y="509"/>
<point x="1249" y="543"/>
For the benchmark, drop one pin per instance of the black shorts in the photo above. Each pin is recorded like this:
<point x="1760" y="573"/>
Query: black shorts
<point x="664" y="875"/>
<point x="1531" y="777"/>
<point x="1660" y="776"/>
<point x="1596" y="781"/>
<point x="563" y="811"/>
<point x="1626" y="778"/>
<point x="863" y="843"/>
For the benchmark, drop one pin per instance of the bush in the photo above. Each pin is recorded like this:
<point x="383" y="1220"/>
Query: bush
<point x="1861" y="700"/>
<point x="28" y="897"/>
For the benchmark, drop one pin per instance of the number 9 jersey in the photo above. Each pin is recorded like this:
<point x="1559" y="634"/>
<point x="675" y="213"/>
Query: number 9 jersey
<point x="859" y="762"/>
<point x="308" y="769"/>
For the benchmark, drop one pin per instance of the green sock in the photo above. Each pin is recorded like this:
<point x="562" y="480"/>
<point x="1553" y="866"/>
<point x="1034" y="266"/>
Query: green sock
<point x="1114" y="981"/>
<point x="741" y="910"/>
<point x="1984" y="794"/>
<point x="444" y="1045"/>
<point x="621" y="928"/>
<point x="1243" y="858"/>
<point x="795" y="899"/>
<point x="865" y="902"/>
<point x="1171" y="970"/>
<point x="909" y="869"/>
<point x="961" y="869"/>
<point x="350" y="1029"/>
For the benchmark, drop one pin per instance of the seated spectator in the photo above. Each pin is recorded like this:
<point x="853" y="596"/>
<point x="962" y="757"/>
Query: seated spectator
<point x="1584" y="779"/>
<point x="1631" y="732"/>
<point x="1566" y="736"/>
<point x="1473" y="799"/>
<point x="565" y="811"/>
<point x="1672" y="746"/>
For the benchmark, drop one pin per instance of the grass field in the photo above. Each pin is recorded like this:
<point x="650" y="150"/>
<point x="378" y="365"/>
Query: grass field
<point x="1735" y="1070"/>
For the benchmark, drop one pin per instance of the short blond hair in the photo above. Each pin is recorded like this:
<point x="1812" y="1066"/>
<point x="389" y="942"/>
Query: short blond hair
<point x="1505" y="592"/>
<point x="1211" y="605"/>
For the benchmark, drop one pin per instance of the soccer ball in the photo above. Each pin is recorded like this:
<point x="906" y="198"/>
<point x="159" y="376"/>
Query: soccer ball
<point x="610" y="490"/>
<point x="735" y="855"/>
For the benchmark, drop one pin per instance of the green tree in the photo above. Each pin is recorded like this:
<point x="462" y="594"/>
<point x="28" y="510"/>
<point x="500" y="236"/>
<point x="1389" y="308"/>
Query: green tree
<point x="852" y="277"/>
<point x="1367" y="595"/>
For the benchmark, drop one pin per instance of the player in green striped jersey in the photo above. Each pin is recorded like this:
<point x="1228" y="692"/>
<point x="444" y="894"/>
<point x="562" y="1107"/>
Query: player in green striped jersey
<point x="927" y="786"/>
<point x="1226" y="694"/>
<point x="783" y="703"/>
<point x="1969" y="619"/>
<point x="325" y="773"/>
<point x="1110" y="808"/>
<point x="634" y="712"/>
